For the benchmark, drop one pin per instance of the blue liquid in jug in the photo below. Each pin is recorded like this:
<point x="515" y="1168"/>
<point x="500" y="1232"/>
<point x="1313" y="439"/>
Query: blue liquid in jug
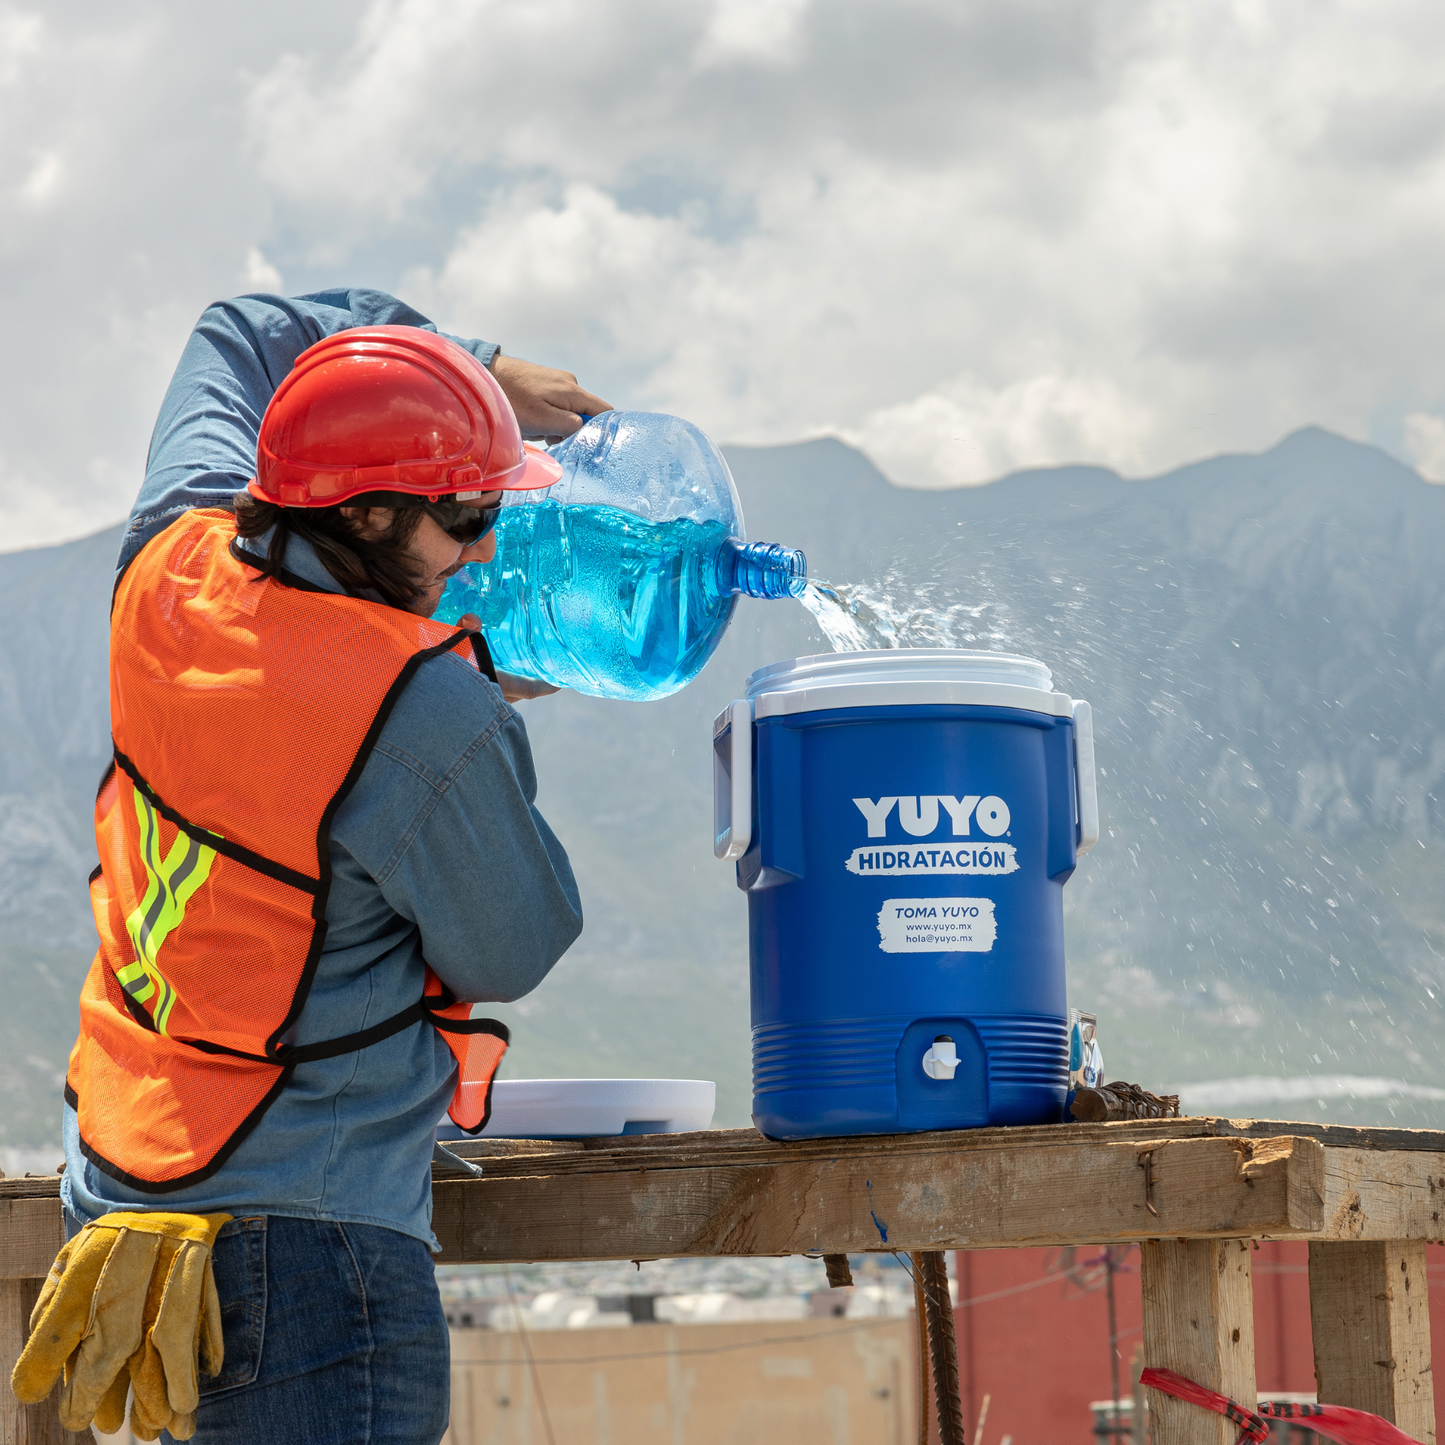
<point x="597" y="599"/>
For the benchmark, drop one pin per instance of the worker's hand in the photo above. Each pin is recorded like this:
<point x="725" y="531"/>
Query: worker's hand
<point x="549" y="403"/>
<point x="522" y="689"/>
<point x="514" y="688"/>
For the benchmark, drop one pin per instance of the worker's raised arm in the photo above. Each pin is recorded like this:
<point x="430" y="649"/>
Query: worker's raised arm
<point x="203" y="449"/>
<point x="454" y="842"/>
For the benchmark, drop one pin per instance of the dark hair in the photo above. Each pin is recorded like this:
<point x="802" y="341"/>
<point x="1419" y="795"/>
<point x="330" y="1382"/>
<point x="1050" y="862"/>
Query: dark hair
<point x="360" y="564"/>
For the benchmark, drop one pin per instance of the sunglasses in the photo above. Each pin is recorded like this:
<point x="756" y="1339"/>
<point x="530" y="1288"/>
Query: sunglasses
<point x="462" y="523"/>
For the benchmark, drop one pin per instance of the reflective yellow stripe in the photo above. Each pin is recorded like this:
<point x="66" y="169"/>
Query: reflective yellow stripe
<point x="133" y="979"/>
<point x="171" y="882"/>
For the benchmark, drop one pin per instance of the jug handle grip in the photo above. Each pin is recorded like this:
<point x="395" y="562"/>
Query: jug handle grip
<point x="1087" y="793"/>
<point x="732" y="781"/>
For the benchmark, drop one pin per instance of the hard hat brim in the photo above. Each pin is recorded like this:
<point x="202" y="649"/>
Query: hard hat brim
<point x="536" y="471"/>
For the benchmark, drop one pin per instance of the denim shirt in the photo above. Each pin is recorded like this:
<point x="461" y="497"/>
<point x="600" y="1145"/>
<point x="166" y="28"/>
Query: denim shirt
<point x="438" y="855"/>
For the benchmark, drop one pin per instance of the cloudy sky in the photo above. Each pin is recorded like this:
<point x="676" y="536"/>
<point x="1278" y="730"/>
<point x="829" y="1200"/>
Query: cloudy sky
<point x="967" y="235"/>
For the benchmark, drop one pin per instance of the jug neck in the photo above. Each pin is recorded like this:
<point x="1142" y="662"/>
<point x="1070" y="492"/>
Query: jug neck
<point x="761" y="569"/>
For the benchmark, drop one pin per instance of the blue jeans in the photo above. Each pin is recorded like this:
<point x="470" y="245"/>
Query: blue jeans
<point x="334" y="1335"/>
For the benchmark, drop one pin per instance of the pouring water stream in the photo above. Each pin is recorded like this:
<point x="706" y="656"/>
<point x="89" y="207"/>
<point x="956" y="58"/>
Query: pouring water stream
<point x="861" y="617"/>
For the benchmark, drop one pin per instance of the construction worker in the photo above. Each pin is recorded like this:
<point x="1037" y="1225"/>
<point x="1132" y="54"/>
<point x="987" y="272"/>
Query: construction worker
<point x="318" y="846"/>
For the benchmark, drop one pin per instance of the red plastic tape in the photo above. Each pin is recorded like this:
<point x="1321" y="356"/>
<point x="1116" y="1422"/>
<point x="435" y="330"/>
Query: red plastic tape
<point x="1335" y="1422"/>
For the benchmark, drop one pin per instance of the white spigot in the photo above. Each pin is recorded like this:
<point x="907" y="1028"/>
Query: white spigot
<point x="942" y="1059"/>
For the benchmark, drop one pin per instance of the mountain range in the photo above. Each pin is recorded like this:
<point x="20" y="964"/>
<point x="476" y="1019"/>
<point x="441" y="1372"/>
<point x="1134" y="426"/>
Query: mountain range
<point x="1262" y="638"/>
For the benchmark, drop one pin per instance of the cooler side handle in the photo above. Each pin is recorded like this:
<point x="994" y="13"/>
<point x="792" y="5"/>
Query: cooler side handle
<point x="732" y="781"/>
<point x="1087" y="793"/>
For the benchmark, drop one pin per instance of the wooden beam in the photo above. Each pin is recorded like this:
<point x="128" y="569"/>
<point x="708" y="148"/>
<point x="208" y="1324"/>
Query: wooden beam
<point x="722" y="1146"/>
<point x="31" y="1234"/>
<point x="1198" y="1321"/>
<point x="1368" y="1193"/>
<point x="1335" y="1136"/>
<point x="539" y="1209"/>
<point x="1384" y="1194"/>
<point x="26" y="1424"/>
<point x="1370" y="1314"/>
<point x="748" y="1146"/>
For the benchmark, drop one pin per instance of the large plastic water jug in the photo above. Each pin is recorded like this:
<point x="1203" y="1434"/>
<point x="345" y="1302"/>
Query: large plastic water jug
<point x="903" y="824"/>
<point x="621" y="578"/>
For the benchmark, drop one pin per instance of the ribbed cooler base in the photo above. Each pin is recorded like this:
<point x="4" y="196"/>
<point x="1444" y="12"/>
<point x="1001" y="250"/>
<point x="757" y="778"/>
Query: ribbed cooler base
<point x="865" y="1076"/>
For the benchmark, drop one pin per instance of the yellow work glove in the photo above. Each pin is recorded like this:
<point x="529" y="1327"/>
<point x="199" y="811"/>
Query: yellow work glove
<point x="130" y="1301"/>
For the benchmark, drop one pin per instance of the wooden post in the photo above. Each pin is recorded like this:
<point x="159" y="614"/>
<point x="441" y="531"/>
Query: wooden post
<point x="31" y="1234"/>
<point x="1370" y="1313"/>
<point x="1198" y="1321"/>
<point x="26" y="1424"/>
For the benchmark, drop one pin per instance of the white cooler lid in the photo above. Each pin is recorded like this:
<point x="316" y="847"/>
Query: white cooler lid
<point x="580" y="1108"/>
<point x="905" y="677"/>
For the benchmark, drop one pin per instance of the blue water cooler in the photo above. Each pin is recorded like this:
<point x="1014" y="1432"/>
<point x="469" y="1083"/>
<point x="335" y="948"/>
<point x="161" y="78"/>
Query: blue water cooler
<point x="903" y="823"/>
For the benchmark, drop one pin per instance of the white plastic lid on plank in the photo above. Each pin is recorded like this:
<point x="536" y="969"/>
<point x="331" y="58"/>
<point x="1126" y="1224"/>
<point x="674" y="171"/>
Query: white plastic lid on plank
<point x="593" y="1108"/>
<point x="904" y="677"/>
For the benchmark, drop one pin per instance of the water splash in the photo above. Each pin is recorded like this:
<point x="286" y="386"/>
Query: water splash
<point x="863" y="617"/>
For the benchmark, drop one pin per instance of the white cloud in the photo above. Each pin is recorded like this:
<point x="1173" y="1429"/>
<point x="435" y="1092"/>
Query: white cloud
<point x="968" y="237"/>
<point x="1125" y="231"/>
<point x="1425" y="444"/>
<point x="584" y="276"/>
<point x="562" y="267"/>
<point x="965" y="433"/>
<point x="122" y="198"/>
<point x="766" y="31"/>
<point x="258" y="274"/>
<point x="20" y="40"/>
<point x="43" y="181"/>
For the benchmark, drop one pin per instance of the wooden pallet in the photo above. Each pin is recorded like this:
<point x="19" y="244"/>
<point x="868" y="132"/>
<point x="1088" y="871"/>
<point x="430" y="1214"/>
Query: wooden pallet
<point x="1193" y="1193"/>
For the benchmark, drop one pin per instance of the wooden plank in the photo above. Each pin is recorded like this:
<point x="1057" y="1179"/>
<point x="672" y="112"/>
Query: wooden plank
<point x="25" y="1424"/>
<point x="1370" y="1313"/>
<point x="33" y="1186"/>
<point x="747" y="1148"/>
<point x="31" y="1233"/>
<point x="1334" y="1136"/>
<point x="506" y="1148"/>
<point x="1368" y="1193"/>
<point x="656" y="1151"/>
<point x="1199" y="1321"/>
<point x="973" y="1199"/>
<point x="686" y="1150"/>
<point x="1383" y="1194"/>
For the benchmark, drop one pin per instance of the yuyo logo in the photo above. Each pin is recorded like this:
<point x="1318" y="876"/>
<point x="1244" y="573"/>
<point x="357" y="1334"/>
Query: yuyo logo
<point x="919" y="816"/>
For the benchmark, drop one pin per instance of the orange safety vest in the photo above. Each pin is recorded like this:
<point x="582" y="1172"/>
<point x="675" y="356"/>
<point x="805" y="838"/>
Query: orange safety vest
<point x="242" y="711"/>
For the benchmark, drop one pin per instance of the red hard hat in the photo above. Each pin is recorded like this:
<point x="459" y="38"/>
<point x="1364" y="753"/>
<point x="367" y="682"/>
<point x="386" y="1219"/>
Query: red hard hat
<point x="391" y="408"/>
